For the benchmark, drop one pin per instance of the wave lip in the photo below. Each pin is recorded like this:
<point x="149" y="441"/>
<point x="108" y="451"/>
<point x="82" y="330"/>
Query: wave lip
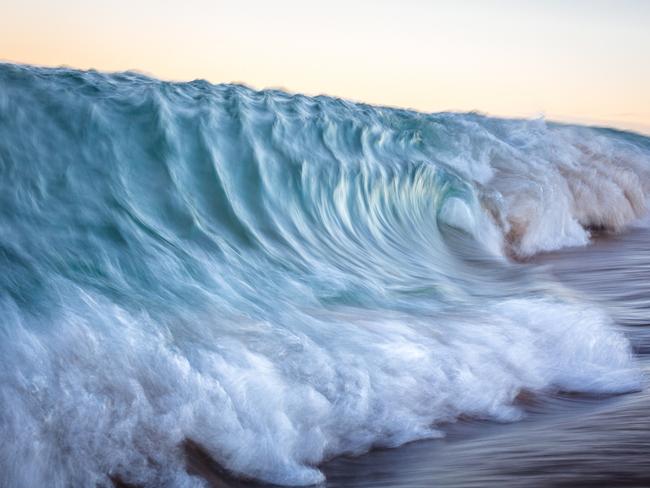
<point x="282" y="279"/>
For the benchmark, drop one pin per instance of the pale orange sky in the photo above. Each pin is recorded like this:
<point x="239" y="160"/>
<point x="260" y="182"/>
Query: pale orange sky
<point x="583" y="61"/>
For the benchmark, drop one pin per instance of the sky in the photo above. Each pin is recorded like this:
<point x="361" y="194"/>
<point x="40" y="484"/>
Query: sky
<point x="585" y="61"/>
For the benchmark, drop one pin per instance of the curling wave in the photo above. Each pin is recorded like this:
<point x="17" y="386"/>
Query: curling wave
<point x="281" y="279"/>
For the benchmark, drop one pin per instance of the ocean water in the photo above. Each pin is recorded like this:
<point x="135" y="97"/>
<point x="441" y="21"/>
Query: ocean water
<point x="275" y="281"/>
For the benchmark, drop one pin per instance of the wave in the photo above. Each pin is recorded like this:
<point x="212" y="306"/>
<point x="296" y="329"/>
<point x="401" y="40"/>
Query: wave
<point x="281" y="279"/>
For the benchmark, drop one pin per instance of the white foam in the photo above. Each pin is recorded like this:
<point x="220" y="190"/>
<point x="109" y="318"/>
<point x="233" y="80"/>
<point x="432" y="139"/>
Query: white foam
<point x="103" y="392"/>
<point x="555" y="183"/>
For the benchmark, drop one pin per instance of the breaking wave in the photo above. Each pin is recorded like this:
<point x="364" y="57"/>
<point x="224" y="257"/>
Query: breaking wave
<point x="281" y="279"/>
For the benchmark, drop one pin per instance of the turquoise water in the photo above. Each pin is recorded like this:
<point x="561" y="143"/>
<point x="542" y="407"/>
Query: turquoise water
<point x="282" y="279"/>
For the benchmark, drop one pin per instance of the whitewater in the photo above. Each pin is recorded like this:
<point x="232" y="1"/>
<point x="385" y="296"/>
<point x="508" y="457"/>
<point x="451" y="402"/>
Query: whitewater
<point x="282" y="279"/>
